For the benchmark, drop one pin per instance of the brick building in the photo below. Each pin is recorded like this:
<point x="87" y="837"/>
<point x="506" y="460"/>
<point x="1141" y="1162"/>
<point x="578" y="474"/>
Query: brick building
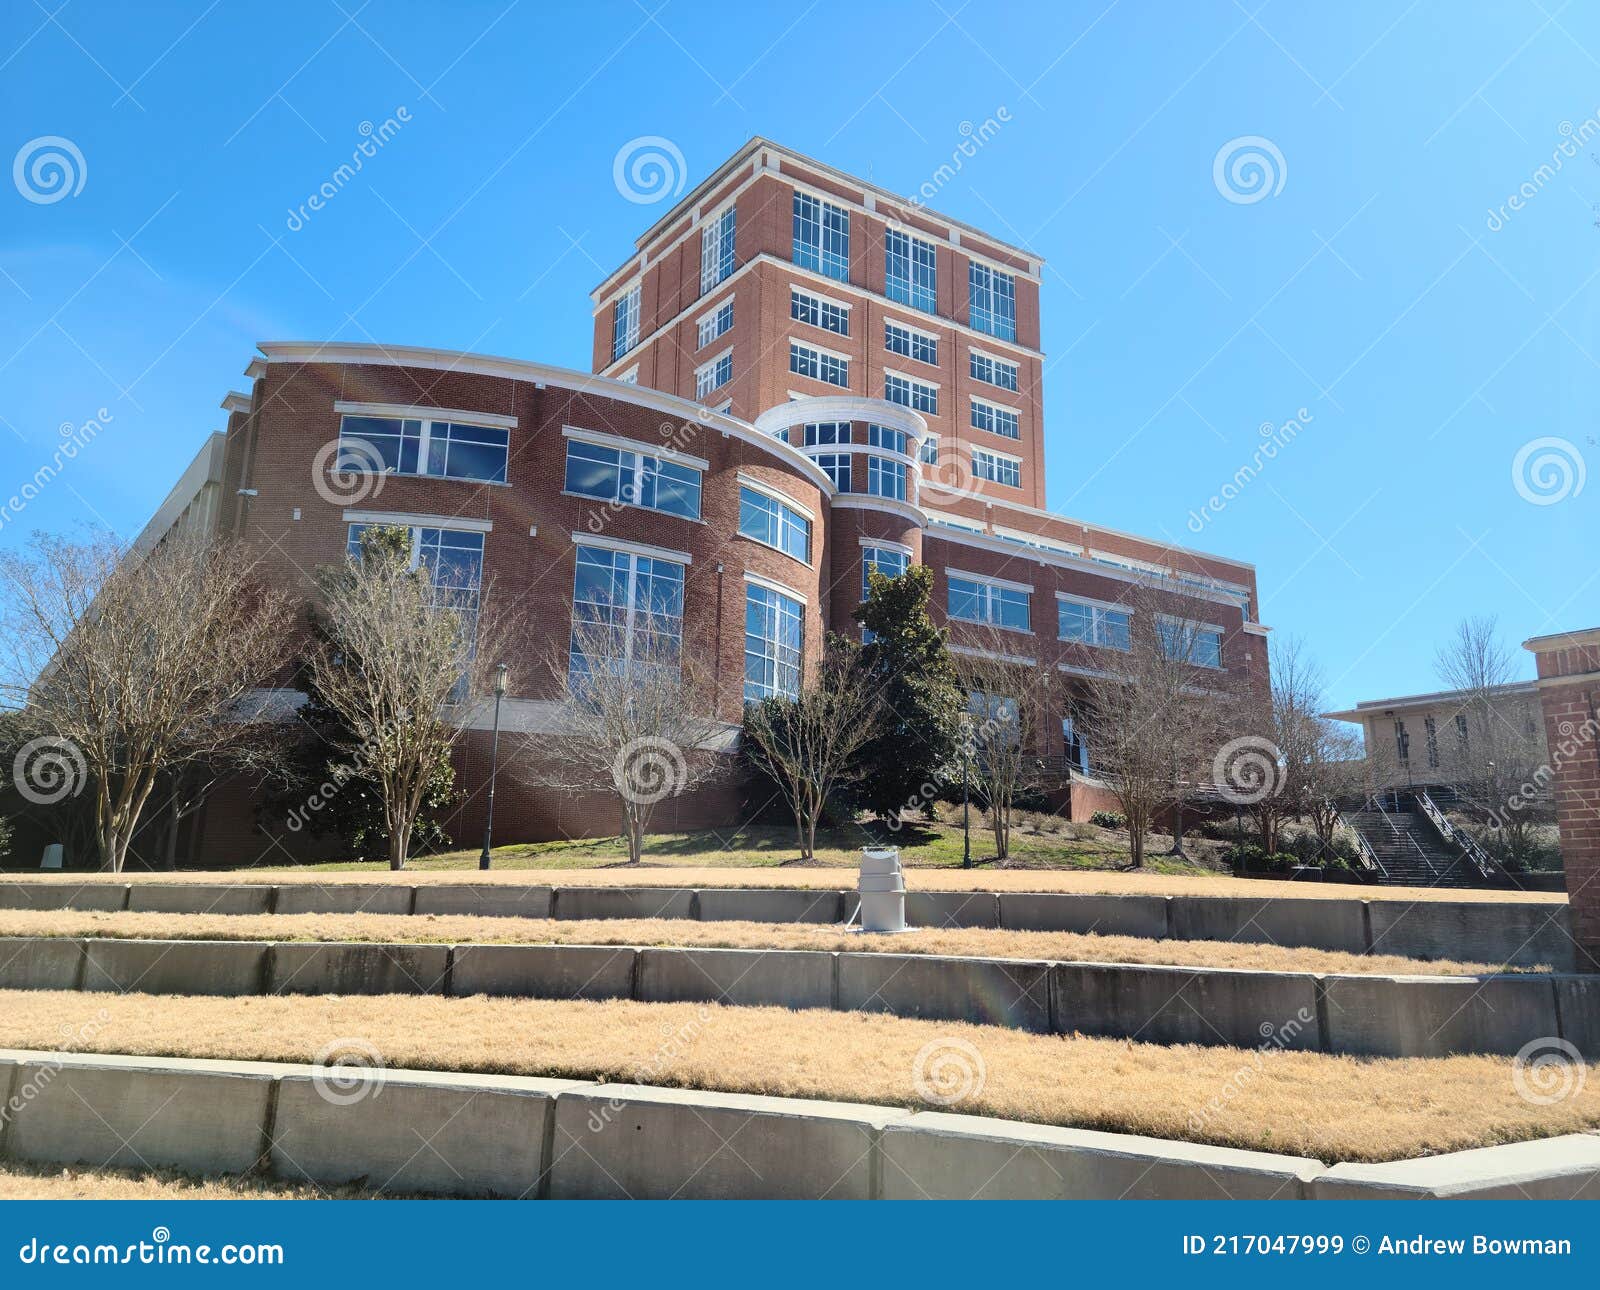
<point x="796" y="375"/>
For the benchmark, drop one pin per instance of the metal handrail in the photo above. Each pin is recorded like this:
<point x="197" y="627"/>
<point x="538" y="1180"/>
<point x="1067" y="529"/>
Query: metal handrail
<point x="1376" y="803"/>
<point x="1364" y="851"/>
<point x="1460" y="837"/>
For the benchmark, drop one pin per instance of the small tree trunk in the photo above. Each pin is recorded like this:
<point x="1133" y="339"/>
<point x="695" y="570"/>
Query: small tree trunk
<point x="1177" y="831"/>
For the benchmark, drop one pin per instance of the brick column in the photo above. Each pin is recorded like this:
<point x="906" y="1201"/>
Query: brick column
<point x="1569" y="692"/>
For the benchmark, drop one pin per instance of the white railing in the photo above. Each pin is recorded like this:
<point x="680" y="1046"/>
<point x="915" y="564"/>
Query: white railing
<point x="1459" y="837"/>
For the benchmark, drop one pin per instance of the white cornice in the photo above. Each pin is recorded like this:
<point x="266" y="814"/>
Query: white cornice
<point x="233" y="401"/>
<point x="416" y="412"/>
<point x="632" y="548"/>
<point x="517" y="369"/>
<point x="870" y="502"/>
<point x="458" y="523"/>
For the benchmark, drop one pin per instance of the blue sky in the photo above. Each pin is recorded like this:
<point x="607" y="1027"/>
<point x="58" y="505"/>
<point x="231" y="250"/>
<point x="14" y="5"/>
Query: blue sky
<point x="1380" y="281"/>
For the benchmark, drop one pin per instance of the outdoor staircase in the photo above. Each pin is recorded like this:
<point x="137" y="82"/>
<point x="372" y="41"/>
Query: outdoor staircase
<point x="1411" y="851"/>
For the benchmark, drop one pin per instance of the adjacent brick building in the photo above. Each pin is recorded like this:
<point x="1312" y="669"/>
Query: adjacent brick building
<point x="796" y="375"/>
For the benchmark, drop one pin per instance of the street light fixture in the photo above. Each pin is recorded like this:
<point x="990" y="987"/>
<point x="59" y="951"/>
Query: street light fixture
<point x="494" y="763"/>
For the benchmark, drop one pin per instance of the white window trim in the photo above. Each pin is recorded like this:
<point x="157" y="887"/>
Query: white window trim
<point x="990" y="452"/>
<point x="768" y="584"/>
<point x="632" y="548"/>
<point x="1000" y="407"/>
<point x="631" y="376"/>
<point x="912" y="328"/>
<point x="1020" y="660"/>
<point x="707" y="316"/>
<point x="1112" y="605"/>
<point x="711" y="364"/>
<point x="820" y="349"/>
<point x="1179" y="621"/>
<point x="887" y="545"/>
<point x="990" y="579"/>
<point x="777" y="495"/>
<point x="602" y="439"/>
<point x="818" y="296"/>
<point x="412" y="521"/>
<point x="1036" y="541"/>
<point x="617" y="295"/>
<point x="911" y="376"/>
<point x="492" y="420"/>
<point x="994" y="358"/>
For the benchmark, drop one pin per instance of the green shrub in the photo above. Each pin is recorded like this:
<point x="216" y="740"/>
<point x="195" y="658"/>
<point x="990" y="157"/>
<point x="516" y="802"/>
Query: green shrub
<point x="1108" y="820"/>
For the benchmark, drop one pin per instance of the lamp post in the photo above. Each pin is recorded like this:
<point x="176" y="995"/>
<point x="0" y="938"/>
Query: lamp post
<point x="494" y="763"/>
<point x="966" y="778"/>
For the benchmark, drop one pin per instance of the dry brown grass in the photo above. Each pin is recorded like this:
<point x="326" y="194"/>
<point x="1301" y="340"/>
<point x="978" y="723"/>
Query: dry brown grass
<point x="963" y="942"/>
<point x="55" y="1182"/>
<point x="1329" y="1108"/>
<point x="1092" y="882"/>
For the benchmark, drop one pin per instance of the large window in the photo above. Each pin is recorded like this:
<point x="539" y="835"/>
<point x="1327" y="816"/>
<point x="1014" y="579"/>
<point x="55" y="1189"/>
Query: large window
<point x="910" y="272"/>
<point x="632" y="478"/>
<point x="995" y="419"/>
<point x="898" y="339"/>
<point x="1074" y="745"/>
<point x="453" y="558"/>
<point x="627" y="610"/>
<point x="718" y="372"/>
<point x="716" y="249"/>
<point x="886" y="560"/>
<point x="1191" y="642"/>
<point x="770" y="521"/>
<point x="818" y="312"/>
<point x="992" y="301"/>
<point x="625" y="323"/>
<point x="715" y="324"/>
<point x="818" y="364"/>
<point x="821" y="237"/>
<point x="887" y="437"/>
<point x="836" y="465"/>
<point x="992" y="371"/>
<point x="886" y="478"/>
<point x="774" y="634"/>
<point x="992" y="466"/>
<point x="972" y="601"/>
<point x="915" y="394"/>
<point x="420" y="446"/>
<point x="1091" y="624"/>
<point x="825" y="432"/>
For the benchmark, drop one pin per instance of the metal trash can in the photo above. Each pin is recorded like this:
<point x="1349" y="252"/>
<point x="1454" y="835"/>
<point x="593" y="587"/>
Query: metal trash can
<point x="882" y="887"/>
<point x="52" y="856"/>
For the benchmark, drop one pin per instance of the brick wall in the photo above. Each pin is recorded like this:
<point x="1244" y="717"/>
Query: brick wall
<point x="1569" y="692"/>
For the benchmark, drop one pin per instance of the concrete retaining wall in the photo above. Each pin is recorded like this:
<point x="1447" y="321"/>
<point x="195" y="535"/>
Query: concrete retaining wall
<point x="1380" y="1016"/>
<point x="40" y="963"/>
<point x="1427" y="1016"/>
<point x="1177" y="1005"/>
<point x="515" y="1136"/>
<point x="358" y="968"/>
<point x="1524" y="935"/>
<point x="175" y="967"/>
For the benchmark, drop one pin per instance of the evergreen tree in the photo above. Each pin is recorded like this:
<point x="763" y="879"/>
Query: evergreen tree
<point x="908" y="760"/>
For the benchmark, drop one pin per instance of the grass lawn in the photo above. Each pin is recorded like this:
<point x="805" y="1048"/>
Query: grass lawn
<point x="1042" y="842"/>
<point x="453" y="929"/>
<point x="1330" y="1108"/>
<point x="58" y="1182"/>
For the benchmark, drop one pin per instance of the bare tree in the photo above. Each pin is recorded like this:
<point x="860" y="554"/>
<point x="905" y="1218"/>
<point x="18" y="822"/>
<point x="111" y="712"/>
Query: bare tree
<point x="1502" y="755"/>
<point x="128" y="665"/>
<point x="810" y="745"/>
<point x="1154" y="718"/>
<point x="406" y="652"/>
<point x="635" y="718"/>
<point x="1000" y="734"/>
<point x="1319" y="760"/>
